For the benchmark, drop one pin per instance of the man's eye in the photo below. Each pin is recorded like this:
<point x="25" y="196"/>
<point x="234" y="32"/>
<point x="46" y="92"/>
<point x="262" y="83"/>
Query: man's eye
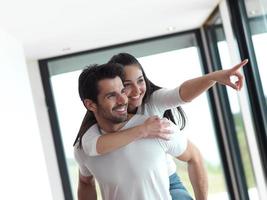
<point x="127" y="84"/>
<point x="123" y="91"/>
<point x="111" y="96"/>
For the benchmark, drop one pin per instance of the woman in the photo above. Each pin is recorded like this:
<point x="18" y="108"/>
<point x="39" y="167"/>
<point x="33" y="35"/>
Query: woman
<point x="149" y="99"/>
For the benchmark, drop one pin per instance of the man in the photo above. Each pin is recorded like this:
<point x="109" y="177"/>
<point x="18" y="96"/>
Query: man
<point x="137" y="171"/>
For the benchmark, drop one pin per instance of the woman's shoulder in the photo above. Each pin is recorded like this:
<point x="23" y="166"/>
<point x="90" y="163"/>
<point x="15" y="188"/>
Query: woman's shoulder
<point x="89" y="140"/>
<point x="164" y="91"/>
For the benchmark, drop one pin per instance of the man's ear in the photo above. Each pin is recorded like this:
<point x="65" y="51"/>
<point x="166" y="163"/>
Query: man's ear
<point x="90" y="105"/>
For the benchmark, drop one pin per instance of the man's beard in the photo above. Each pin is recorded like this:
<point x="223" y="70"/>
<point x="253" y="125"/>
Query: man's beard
<point x="119" y="119"/>
<point x="115" y="119"/>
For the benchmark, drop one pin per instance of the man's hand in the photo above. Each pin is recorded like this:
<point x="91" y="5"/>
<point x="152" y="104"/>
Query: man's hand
<point x="154" y="127"/>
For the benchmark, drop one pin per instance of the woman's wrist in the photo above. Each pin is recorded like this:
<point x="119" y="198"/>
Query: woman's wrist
<point x="142" y="131"/>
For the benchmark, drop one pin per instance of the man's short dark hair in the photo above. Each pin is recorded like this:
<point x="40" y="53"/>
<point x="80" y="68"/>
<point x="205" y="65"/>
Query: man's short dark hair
<point x="91" y="75"/>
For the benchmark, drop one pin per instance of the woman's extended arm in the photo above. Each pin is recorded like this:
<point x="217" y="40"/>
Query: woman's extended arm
<point x="152" y="127"/>
<point x="192" y="88"/>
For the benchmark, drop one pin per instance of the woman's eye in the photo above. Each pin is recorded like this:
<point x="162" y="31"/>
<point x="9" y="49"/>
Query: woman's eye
<point x="140" y="80"/>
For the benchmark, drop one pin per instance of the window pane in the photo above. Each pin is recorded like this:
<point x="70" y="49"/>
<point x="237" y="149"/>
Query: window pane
<point x="257" y="14"/>
<point x="68" y="105"/>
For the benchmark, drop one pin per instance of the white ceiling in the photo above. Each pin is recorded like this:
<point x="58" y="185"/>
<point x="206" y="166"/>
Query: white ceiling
<point x="49" y="28"/>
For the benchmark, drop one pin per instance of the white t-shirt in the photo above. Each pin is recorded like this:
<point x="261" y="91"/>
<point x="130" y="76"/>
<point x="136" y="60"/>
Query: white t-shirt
<point x="135" y="171"/>
<point x="160" y="101"/>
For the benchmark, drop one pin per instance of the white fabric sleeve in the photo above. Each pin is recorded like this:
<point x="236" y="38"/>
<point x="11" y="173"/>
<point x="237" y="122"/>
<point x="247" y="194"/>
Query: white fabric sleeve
<point x="177" y="143"/>
<point x="165" y="99"/>
<point x="78" y="156"/>
<point x="89" y="140"/>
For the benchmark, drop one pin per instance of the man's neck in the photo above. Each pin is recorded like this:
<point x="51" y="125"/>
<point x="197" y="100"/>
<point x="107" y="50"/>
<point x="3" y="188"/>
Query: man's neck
<point x="110" y="127"/>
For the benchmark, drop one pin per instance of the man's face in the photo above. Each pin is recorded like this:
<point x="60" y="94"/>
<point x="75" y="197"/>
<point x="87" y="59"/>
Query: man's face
<point x="112" y="101"/>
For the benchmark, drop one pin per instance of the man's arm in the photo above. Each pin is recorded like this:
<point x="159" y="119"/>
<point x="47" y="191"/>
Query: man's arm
<point x="86" y="188"/>
<point x="197" y="173"/>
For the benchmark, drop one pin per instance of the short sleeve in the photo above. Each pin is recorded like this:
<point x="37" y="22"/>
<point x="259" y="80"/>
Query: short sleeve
<point x="89" y="140"/>
<point x="79" y="157"/>
<point x="166" y="98"/>
<point x="177" y="143"/>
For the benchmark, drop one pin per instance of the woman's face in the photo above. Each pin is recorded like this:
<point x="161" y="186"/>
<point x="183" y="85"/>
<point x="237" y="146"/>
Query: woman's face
<point x="135" y="86"/>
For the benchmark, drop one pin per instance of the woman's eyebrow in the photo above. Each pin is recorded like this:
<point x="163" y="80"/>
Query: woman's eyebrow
<point x="136" y="79"/>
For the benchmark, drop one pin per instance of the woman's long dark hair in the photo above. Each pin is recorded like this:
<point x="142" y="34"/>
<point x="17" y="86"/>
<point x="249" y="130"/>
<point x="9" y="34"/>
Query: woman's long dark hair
<point x="126" y="59"/>
<point x="88" y="121"/>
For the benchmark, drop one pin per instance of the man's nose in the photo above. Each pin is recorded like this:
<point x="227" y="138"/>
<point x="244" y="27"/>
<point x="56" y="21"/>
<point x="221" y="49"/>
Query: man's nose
<point x="122" y="99"/>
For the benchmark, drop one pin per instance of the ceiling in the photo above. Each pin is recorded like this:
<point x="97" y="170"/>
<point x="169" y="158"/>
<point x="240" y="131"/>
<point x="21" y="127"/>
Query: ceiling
<point x="49" y="28"/>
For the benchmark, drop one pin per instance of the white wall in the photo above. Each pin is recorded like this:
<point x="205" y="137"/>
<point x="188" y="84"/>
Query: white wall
<point x="44" y="129"/>
<point x="23" y="168"/>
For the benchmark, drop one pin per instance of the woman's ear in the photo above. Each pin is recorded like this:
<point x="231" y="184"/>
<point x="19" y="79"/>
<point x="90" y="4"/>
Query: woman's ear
<point x="90" y="105"/>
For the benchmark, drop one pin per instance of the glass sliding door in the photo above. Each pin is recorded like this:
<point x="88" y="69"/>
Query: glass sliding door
<point x="248" y="19"/>
<point x="249" y="24"/>
<point x="227" y="54"/>
<point x="239" y="125"/>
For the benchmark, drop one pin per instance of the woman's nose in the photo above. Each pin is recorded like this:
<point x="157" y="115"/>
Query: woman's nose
<point x="135" y="89"/>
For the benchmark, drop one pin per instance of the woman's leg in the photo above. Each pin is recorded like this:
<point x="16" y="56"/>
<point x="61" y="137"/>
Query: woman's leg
<point x="177" y="189"/>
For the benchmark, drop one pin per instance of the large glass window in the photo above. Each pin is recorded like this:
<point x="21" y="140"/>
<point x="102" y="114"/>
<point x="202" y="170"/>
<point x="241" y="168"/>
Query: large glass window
<point x="168" y="62"/>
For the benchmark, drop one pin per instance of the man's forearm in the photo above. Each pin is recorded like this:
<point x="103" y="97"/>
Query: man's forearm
<point x="198" y="178"/>
<point x="87" y="191"/>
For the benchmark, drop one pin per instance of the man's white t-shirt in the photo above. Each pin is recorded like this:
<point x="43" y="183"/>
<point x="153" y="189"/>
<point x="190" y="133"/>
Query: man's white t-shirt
<point x="136" y="171"/>
<point x="160" y="101"/>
